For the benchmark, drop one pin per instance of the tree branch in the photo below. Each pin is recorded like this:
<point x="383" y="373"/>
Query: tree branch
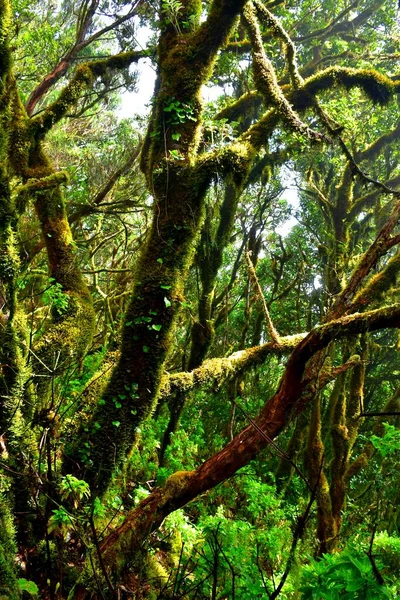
<point x="65" y="62"/>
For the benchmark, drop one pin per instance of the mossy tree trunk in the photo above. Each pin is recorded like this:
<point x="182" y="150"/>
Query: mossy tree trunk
<point x="179" y="184"/>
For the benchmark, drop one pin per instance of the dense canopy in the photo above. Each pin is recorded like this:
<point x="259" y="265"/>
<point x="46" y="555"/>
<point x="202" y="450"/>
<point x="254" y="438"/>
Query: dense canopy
<point x="199" y="383"/>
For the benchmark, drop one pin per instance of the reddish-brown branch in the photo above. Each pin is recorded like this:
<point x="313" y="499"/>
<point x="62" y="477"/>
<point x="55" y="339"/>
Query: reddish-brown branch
<point x="182" y="487"/>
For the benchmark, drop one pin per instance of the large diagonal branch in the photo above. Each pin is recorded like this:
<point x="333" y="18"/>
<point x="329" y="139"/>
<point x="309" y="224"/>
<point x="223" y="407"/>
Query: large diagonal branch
<point x="182" y="487"/>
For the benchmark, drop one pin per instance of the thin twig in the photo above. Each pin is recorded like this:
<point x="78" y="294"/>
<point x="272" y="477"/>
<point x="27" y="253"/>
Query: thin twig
<point x="298" y="532"/>
<point x="256" y="284"/>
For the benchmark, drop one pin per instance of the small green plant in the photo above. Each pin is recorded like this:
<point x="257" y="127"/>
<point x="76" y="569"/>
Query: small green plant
<point x="388" y="443"/>
<point x="346" y="575"/>
<point x="73" y="488"/>
<point x="171" y="9"/>
<point x="55" y="297"/>
<point x="60" y="522"/>
<point x="178" y="112"/>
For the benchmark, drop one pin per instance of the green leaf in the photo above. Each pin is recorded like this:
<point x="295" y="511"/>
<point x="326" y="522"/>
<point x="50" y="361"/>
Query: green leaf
<point x="353" y="586"/>
<point x="167" y="302"/>
<point x="156" y="327"/>
<point x="98" y="508"/>
<point x="176" y="155"/>
<point x="116" y="423"/>
<point x="28" y="586"/>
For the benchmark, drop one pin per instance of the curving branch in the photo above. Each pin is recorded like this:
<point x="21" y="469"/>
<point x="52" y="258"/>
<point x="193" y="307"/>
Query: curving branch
<point x="266" y="81"/>
<point x="83" y="78"/>
<point x="85" y="21"/>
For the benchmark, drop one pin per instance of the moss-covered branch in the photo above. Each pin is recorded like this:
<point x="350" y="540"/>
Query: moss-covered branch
<point x="368" y="200"/>
<point x="368" y="260"/>
<point x="377" y="87"/>
<point x="266" y="81"/>
<point x="378" y="285"/>
<point x="280" y="33"/>
<point x="67" y="59"/>
<point x="377" y="145"/>
<point x="83" y="78"/>
<point x="69" y="335"/>
<point x="14" y="372"/>
<point x="220" y="370"/>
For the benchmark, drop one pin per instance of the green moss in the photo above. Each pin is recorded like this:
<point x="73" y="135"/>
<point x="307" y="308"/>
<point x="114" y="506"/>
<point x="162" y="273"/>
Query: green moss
<point x="45" y="183"/>
<point x="70" y="94"/>
<point x="8" y="580"/>
<point x="176" y="483"/>
<point x="379" y="284"/>
<point x="376" y="86"/>
<point x="5" y="24"/>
